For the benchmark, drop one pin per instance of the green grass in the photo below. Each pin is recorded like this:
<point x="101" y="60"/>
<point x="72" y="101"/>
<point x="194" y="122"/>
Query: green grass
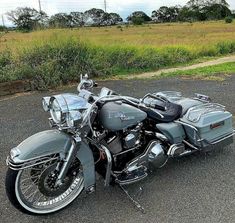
<point x="216" y="72"/>
<point x="55" y="57"/>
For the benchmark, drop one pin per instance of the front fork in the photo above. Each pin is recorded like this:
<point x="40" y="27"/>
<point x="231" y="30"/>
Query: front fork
<point x="69" y="158"/>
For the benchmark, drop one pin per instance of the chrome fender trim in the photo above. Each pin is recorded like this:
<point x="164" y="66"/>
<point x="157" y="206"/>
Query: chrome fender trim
<point x="44" y="145"/>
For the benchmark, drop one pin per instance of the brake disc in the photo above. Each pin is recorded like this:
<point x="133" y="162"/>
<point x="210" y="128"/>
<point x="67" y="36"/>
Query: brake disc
<point x="47" y="180"/>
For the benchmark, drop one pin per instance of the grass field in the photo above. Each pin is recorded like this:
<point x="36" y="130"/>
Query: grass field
<point x="217" y="72"/>
<point x="58" y="56"/>
<point x="194" y="36"/>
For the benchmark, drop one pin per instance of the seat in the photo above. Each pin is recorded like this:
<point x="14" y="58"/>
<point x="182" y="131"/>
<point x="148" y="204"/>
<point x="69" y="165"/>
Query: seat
<point x="188" y="103"/>
<point x="171" y="112"/>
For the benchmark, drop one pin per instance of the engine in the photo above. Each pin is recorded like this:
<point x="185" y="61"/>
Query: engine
<point x="133" y="149"/>
<point x="126" y="140"/>
<point x="132" y="143"/>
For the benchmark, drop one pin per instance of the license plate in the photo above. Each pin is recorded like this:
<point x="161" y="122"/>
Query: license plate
<point x="216" y="125"/>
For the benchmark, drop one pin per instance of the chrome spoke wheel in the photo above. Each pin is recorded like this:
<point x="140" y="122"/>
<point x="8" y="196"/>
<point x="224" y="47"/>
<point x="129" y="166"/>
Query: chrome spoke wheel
<point x="37" y="192"/>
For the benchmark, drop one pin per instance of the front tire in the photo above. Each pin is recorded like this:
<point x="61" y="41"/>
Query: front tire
<point x="37" y="200"/>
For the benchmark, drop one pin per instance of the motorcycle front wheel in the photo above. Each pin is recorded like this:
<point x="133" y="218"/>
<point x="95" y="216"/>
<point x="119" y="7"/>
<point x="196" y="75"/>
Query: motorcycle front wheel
<point x="33" y="190"/>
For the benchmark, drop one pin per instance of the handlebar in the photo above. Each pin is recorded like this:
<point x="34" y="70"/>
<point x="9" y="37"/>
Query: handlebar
<point x="86" y="83"/>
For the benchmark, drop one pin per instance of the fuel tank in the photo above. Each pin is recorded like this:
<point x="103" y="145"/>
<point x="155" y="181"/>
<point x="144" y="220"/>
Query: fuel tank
<point x="116" y="116"/>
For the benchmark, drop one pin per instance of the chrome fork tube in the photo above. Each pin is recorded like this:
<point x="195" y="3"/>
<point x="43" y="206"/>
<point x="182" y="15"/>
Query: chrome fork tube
<point x="68" y="160"/>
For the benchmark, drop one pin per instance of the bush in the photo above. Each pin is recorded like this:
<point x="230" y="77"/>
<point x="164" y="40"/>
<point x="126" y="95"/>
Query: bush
<point x="137" y="21"/>
<point x="229" y="19"/>
<point x="3" y="28"/>
<point x="226" y="47"/>
<point x="5" y="58"/>
<point x="62" y="61"/>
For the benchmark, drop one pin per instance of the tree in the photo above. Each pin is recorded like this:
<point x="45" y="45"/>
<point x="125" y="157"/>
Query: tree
<point x="137" y="21"/>
<point x="196" y="3"/>
<point x="166" y="14"/>
<point x="3" y="28"/>
<point x="95" y="17"/>
<point x="216" y="12"/>
<point x="233" y="13"/>
<point x="60" y="20"/>
<point x="77" y="19"/>
<point x="201" y="10"/>
<point x="114" y="18"/>
<point x="220" y="2"/>
<point x="229" y="19"/>
<point x="138" y="14"/>
<point x="203" y="3"/>
<point x="27" y="18"/>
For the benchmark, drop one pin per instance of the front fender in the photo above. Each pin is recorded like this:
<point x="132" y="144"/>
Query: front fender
<point x="41" y="144"/>
<point x="50" y="142"/>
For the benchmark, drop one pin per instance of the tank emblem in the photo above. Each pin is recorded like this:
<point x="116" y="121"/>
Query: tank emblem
<point x="124" y="117"/>
<point x="121" y="115"/>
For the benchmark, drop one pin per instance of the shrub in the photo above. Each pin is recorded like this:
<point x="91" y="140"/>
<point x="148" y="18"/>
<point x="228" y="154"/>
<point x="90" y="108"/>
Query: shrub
<point x="137" y="21"/>
<point x="226" y="47"/>
<point x="5" y="58"/>
<point x="229" y="19"/>
<point x="59" y="61"/>
<point x="3" y="28"/>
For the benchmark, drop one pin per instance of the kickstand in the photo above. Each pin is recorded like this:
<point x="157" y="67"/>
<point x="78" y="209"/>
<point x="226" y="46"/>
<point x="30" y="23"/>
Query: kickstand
<point x="136" y="203"/>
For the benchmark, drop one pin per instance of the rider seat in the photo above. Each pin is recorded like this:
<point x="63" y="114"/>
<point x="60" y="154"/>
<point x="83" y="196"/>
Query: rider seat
<point x="162" y="110"/>
<point x="172" y="112"/>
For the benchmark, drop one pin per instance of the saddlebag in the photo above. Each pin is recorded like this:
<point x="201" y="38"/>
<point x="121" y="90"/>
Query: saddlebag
<point x="208" y="125"/>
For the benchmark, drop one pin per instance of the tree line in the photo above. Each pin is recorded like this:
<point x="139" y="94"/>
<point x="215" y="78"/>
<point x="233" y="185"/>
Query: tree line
<point x="195" y="10"/>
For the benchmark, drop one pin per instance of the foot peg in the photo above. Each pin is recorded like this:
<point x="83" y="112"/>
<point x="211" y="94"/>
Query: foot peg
<point x="131" y="177"/>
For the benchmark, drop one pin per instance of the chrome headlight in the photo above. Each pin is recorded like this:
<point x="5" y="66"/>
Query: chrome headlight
<point x="74" y="118"/>
<point x="67" y="108"/>
<point x="56" y="111"/>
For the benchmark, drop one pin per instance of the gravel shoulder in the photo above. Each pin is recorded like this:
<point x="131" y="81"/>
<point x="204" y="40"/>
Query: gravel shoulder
<point x="197" y="188"/>
<point x="221" y="60"/>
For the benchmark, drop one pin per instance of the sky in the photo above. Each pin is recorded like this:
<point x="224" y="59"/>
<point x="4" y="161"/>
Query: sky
<point x="122" y="7"/>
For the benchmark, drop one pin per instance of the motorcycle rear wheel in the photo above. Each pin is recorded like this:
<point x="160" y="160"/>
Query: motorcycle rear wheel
<point x="31" y="194"/>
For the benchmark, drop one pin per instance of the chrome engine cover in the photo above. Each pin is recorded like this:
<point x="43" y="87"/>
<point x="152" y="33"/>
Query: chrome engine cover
<point x="156" y="154"/>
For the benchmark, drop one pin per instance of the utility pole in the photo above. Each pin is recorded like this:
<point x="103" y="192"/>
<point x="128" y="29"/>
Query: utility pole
<point x="39" y="3"/>
<point x="105" y="6"/>
<point x="3" y="22"/>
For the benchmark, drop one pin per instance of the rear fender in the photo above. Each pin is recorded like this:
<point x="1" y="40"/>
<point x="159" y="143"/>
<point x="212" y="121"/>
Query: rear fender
<point x="53" y="142"/>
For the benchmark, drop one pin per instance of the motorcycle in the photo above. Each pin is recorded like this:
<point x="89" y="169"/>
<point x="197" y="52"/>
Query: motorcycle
<point x="119" y="137"/>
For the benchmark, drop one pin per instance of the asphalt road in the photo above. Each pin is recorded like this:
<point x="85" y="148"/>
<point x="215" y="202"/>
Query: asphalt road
<point x="198" y="188"/>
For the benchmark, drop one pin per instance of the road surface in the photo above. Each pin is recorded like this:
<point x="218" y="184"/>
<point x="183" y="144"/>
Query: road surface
<point x="198" y="188"/>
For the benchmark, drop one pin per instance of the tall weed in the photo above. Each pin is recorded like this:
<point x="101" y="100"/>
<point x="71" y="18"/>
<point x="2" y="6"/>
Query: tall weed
<point x="59" y="61"/>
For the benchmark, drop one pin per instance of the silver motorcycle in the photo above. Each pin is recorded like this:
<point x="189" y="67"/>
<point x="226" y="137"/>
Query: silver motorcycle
<point x="119" y="137"/>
